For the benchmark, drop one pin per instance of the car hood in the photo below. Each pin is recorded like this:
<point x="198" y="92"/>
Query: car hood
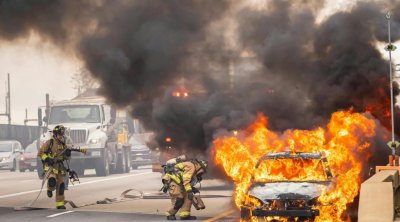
<point x="139" y="147"/>
<point x="5" y="154"/>
<point x="288" y="190"/>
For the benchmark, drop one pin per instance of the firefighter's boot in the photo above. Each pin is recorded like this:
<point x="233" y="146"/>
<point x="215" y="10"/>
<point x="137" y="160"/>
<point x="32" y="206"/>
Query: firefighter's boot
<point x="171" y="217"/>
<point x="61" y="207"/>
<point x="189" y="218"/>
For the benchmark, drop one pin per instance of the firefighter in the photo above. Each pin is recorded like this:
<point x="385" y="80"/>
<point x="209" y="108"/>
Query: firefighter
<point x="185" y="174"/>
<point x="52" y="153"/>
<point x="172" y="184"/>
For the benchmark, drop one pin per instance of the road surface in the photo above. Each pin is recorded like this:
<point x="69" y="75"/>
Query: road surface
<point x="146" y="203"/>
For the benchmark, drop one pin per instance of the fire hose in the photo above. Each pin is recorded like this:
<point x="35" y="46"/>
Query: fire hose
<point x="72" y="176"/>
<point x="124" y="195"/>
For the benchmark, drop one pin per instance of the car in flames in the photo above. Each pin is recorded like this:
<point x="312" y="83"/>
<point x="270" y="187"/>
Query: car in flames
<point x="288" y="197"/>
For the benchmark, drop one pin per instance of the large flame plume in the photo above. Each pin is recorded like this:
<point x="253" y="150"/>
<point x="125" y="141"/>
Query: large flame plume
<point x="344" y="142"/>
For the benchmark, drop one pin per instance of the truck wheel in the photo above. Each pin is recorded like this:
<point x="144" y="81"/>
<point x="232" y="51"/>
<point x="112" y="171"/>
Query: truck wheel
<point x="120" y="167"/>
<point x="245" y="214"/>
<point x="14" y="166"/>
<point x="39" y="167"/>
<point x="102" y="166"/>
<point x="127" y="160"/>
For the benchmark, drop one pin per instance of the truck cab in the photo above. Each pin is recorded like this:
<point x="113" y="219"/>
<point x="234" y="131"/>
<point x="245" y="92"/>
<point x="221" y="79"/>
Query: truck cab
<point x="94" y="125"/>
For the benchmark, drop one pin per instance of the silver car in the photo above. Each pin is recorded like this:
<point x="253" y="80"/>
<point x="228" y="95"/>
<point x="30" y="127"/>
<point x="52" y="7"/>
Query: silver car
<point x="10" y="152"/>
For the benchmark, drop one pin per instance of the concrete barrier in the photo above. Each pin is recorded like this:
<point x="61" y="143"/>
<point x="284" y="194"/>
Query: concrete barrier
<point x="377" y="197"/>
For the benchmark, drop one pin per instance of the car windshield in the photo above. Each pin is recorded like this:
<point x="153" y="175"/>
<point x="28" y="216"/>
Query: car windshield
<point x="75" y="114"/>
<point x="31" y="149"/>
<point x="5" y="147"/>
<point x="290" y="169"/>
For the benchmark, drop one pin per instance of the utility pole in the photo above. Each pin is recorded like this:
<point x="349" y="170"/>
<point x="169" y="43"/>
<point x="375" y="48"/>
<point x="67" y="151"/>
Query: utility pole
<point x="8" y="101"/>
<point x="392" y="144"/>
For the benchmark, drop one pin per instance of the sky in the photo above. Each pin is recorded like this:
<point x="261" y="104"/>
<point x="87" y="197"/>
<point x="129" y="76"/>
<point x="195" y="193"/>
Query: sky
<point x="37" y="68"/>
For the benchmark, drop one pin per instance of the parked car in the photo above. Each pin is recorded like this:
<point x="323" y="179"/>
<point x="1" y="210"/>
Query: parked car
<point x="288" y="198"/>
<point x="27" y="160"/>
<point x="140" y="153"/>
<point x="10" y="152"/>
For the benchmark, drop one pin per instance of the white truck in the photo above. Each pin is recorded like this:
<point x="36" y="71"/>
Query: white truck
<point x="94" y="125"/>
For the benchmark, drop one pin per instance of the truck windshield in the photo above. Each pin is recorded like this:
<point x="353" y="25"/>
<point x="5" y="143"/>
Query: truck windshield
<point x="74" y="114"/>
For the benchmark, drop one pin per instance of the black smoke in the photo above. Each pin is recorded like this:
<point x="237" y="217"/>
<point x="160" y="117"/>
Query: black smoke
<point x="299" y="71"/>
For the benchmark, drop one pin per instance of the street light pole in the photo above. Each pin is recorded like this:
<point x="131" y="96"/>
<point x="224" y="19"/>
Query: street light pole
<point x="391" y="48"/>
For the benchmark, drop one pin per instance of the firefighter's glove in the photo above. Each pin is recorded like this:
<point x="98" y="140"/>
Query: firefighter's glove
<point x="195" y="190"/>
<point x="68" y="152"/>
<point x="165" y="188"/>
<point x="190" y="195"/>
<point x="49" y="161"/>
<point x="199" y="178"/>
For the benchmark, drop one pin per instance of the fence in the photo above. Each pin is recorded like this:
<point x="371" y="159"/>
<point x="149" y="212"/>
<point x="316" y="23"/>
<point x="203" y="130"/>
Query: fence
<point x="22" y="133"/>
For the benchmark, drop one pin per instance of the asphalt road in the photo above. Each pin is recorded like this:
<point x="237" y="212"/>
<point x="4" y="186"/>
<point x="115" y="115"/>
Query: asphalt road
<point x="145" y="203"/>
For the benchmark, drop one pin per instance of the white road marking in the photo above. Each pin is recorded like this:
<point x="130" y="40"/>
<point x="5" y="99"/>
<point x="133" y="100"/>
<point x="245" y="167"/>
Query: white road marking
<point x="56" y="215"/>
<point x="89" y="182"/>
<point x="25" y="181"/>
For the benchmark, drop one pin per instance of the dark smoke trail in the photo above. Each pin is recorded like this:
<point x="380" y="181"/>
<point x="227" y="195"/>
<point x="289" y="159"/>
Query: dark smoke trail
<point x="142" y="51"/>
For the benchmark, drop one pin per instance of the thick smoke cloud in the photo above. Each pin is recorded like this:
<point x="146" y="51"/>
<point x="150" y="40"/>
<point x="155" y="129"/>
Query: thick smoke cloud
<point x="142" y="51"/>
<point x="319" y="68"/>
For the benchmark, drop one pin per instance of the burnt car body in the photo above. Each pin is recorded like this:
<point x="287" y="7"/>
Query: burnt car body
<point x="286" y="198"/>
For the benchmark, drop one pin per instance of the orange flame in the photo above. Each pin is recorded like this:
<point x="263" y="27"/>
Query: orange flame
<point x="344" y="143"/>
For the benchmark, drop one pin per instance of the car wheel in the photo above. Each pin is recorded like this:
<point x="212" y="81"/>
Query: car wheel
<point x="135" y="167"/>
<point x="22" y="170"/>
<point x="102" y="166"/>
<point x="31" y="169"/>
<point x="14" y="166"/>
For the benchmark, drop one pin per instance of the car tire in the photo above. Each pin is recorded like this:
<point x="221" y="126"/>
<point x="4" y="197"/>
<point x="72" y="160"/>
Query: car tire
<point x="14" y="167"/>
<point x="128" y="160"/>
<point x="102" y="166"/>
<point x="120" y="166"/>
<point x="31" y="169"/>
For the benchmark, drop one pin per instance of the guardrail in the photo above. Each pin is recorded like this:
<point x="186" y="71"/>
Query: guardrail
<point x="378" y="195"/>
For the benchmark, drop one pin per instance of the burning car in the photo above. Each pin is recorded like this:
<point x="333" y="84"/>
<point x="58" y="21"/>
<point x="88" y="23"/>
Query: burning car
<point x="293" y="197"/>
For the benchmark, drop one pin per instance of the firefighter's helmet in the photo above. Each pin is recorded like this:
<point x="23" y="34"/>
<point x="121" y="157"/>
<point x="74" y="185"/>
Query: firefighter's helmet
<point x="59" y="130"/>
<point x="203" y="164"/>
